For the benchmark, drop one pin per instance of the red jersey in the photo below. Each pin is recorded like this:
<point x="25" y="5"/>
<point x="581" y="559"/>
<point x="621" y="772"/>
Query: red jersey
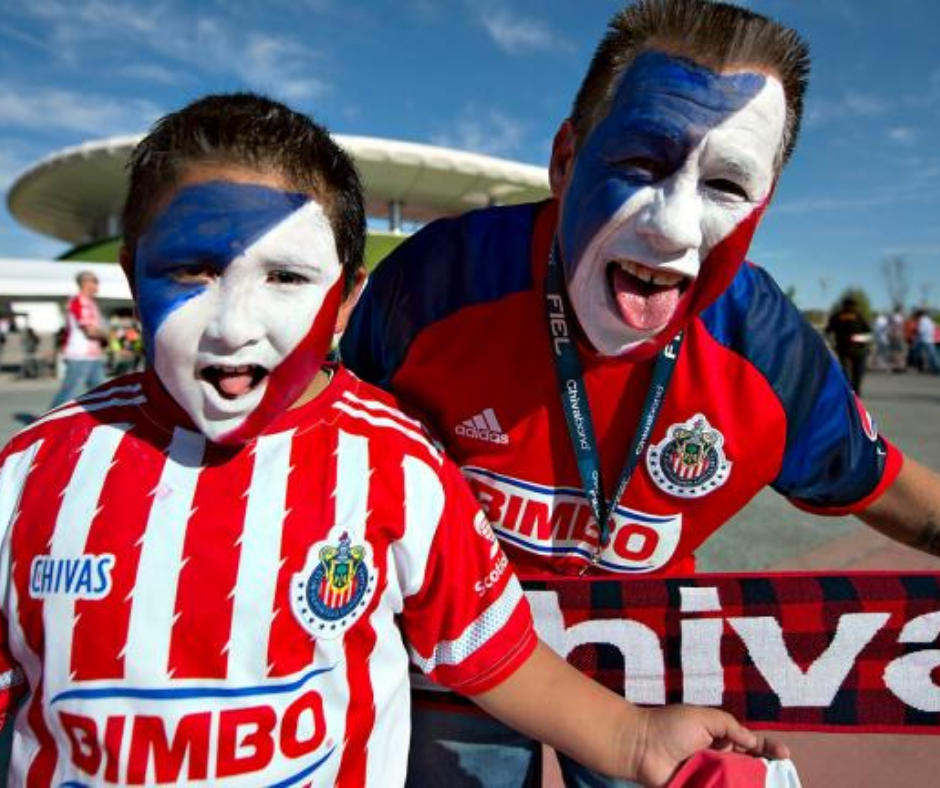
<point x="710" y="769"/>
<point x="184" y="612"/>
<point x="454" y="322"/>
<point x="82" y="312"/>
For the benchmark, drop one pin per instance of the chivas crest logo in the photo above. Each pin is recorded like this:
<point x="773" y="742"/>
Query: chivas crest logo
<point x="334" y="588"/>
<point x="689" y="462"/>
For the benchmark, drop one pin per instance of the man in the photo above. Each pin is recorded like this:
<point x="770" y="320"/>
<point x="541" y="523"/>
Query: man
<point x="84" y="335"/>
<point x="613" y="381"/>
<point x="851" y="334"/>
<point x="925" y="338"/>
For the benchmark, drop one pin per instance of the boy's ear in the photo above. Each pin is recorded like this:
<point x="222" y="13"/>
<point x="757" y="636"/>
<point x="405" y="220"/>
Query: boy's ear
<point x="350" y="301"/>
<point x="126" y="259"/>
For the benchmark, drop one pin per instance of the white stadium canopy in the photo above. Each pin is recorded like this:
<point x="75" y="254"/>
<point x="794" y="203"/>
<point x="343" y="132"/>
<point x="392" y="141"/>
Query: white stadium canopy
<point x="76" y="194"/>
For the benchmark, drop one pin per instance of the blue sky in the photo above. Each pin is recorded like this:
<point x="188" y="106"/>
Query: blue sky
<point x="497" y="77"/>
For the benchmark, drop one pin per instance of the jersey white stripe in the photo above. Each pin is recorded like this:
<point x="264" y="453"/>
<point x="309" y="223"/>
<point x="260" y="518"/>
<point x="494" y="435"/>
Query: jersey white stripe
<point x="352" y="484"/>
<point x="260" y="562"/>
<point x="73" y="524"/>
<point x="424" y="502"/>
<point x="453" y="652"/>
<point x="154" y="595"/>
<point x="381" y="407"/>
<point x="88" y="407"/>
<point x="131" y="388"/>
<point x="13" y="475"/>
<point x="380" y="421"/>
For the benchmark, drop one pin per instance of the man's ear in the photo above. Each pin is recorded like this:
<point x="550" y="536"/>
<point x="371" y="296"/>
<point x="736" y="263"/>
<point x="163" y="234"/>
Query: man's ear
<point x="562" y="163"/>
<point x="350" y="301"/>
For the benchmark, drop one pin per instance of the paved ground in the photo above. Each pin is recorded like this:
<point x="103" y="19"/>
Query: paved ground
<point x="769" y="534"/>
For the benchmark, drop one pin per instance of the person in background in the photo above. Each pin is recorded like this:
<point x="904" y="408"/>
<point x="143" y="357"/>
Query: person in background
<point x="897" y="341"/>
<point x="852" y="337"/>
<point x="925" y="348"/>
<point x="85" y="335"/>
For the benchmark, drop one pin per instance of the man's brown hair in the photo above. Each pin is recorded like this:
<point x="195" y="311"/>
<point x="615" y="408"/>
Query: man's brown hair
<point x="714" y="34"/>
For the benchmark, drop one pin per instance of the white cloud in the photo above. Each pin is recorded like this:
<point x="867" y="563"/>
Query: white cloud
<point x="851" y="104"/>
<point x="902" y="135"/>
<point x="515" y="34"/>
<point x="166" y="35"/>
<point x="483" y="131"/>
<point x="50" y="109"/>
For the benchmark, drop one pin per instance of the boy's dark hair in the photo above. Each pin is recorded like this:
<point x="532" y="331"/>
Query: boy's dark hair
<point x="245" y="129"/>
<point x="714" y="34"/>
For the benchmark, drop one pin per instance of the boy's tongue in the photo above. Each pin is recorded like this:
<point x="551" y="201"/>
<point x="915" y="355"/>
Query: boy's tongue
<point x="235" y="384"/>
<point x="643" y="306"/>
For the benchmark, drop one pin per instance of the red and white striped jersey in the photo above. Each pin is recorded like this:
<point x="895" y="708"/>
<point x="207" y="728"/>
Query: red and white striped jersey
<point x="183" y="612"/>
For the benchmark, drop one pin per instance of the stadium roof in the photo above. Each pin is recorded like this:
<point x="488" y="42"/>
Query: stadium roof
<point x="76" y="194"/>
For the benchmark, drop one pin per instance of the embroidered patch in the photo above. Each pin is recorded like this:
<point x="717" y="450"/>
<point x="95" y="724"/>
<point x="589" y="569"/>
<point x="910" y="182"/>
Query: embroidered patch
<point x="690" y="461"/>
<point x="334" y="588"/>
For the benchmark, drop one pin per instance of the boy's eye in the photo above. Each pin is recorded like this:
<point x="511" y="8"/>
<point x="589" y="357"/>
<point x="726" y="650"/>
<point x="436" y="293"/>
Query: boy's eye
<point x="196" y="273"/>
<point x="728" y="188"/>
<point x="281" y="277"/>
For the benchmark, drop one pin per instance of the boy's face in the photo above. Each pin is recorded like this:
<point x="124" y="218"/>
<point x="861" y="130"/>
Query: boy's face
<point x="239" y="289"/>
<point x="659" y="203"/>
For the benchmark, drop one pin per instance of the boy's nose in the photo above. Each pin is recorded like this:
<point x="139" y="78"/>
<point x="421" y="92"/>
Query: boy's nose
<point x="235" y="322"/>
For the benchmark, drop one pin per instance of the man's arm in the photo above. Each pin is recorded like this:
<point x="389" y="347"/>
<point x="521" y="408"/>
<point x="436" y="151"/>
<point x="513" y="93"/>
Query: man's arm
<point x="909" y="510"/>
<point x="549" y="700"/>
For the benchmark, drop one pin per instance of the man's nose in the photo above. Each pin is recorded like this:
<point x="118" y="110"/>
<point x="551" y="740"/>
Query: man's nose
<point x="671" y="223"/>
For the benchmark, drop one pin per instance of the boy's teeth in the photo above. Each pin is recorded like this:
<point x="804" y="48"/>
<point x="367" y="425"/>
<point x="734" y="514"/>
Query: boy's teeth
<point x="659" y="278"/>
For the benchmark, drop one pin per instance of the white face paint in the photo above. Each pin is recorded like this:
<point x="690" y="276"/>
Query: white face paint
<point x="673" y="169"/>
<point x="236" y="339"/>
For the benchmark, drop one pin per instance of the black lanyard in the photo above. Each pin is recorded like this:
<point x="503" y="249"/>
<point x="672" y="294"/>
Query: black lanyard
<point x="574" y="402"/>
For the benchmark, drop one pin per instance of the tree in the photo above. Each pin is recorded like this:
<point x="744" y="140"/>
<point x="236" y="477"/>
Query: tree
<point x="894" y="269"/>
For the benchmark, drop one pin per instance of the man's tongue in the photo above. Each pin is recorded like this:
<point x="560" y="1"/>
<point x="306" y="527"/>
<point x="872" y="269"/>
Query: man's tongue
<point x="643" y="306"/>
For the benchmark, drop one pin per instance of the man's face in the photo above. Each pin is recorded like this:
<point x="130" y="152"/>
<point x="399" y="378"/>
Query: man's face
<point x="88" y="286"/>
<point x="238" y="286"/>
<point x="659" y="204"/>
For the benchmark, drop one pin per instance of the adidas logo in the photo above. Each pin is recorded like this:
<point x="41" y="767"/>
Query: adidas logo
<point x="483" y="427"/>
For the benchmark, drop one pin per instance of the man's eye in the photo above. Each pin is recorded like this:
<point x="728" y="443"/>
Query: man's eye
<point x="728" y="188"/>
<point x="642" y="168"/>
<point x="280" y="277"/>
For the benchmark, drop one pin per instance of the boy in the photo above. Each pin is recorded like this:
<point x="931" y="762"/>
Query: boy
<point x="215" y="571"/>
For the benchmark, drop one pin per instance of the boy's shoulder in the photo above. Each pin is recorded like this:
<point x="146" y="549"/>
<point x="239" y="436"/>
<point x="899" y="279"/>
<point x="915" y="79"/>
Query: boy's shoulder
<point x="367" y="409"/>
<point x="113" y="402"/>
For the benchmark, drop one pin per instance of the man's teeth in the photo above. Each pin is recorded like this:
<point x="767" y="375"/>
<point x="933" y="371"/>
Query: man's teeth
<point x="650" y="276"/>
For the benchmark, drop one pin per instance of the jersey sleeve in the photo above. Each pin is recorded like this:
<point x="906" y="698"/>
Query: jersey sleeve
<point x="834" y="460"/>
<point x="467" y="622"/>
<point x="14" y="468"/>
<point x="448" y="265"/>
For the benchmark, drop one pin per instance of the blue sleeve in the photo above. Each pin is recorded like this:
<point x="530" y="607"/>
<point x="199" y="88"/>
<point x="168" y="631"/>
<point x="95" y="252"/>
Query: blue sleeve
<point x="832" y="457"/>
<point x="446" y="266"/>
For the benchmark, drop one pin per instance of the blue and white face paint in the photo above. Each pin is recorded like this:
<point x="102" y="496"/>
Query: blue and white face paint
<point x="663" y="198"/>
<point x="238" y="288"/>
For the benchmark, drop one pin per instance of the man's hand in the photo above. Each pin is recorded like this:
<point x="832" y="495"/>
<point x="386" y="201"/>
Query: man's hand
<point x="665" y="737"/>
